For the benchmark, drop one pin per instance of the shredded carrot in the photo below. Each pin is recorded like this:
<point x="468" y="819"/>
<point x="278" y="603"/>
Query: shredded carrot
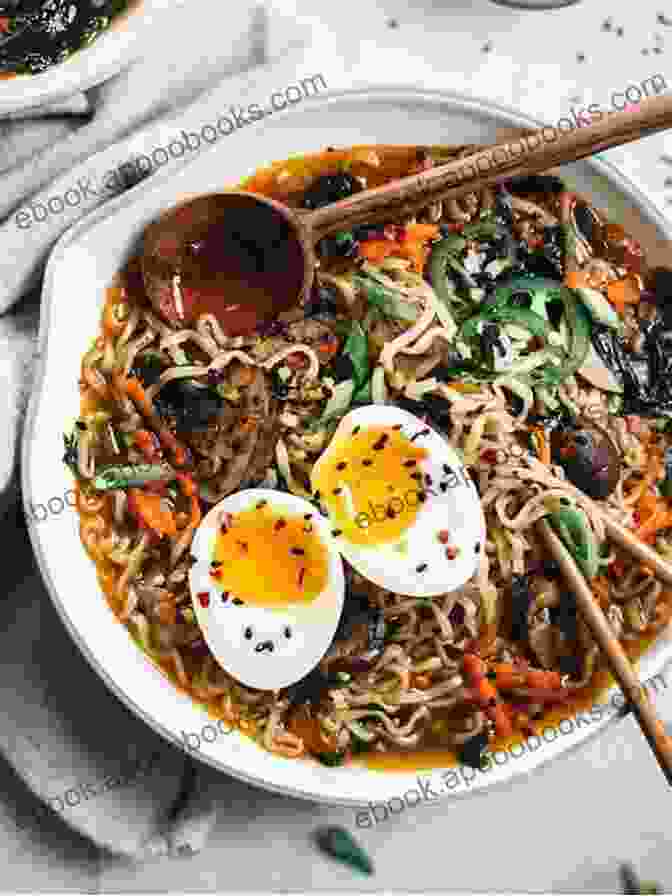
<point x="135" y="390"/>
<point x="377" y="250"/>
<point x="152" y="512"/>
<point x="145" y="441"/>
<point x="544" y="446"/>
<point x="111" y="325"/>
<point x="4" y="23"/>
<point x="576" y="279"/>
<point x="543" y="679"/>
<point x="506" y="677"/>
<point x="474" y="669"/>
<point x="246" y="375"/>
<point x="660" y="519"/>
<point x="420" y="232"/>
<point x="167" y="613"/>
<point x="310" y="732"/>
<point x="625" y="291"/>
<point x="416" y="252"/>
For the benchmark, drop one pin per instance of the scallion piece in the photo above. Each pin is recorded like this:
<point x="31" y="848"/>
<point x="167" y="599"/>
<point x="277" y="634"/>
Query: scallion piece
<point x="130" y="475"/>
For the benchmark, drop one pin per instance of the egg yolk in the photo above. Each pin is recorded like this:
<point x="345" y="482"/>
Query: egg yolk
<point x="270" y="559"/>
<point x="372" y="484"/>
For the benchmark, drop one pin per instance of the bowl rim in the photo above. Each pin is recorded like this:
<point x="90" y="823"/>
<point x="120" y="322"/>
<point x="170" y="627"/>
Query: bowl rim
<point x="658" y="656"/>
<point x="112" y="50"/>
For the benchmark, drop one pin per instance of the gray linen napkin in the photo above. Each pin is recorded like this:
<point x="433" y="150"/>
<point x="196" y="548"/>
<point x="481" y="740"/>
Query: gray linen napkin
<point x="76" y="746"/>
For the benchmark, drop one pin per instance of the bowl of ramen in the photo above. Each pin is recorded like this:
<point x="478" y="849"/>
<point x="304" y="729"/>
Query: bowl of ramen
<point x="49" y="49"/>
<point x="523" y="327"/>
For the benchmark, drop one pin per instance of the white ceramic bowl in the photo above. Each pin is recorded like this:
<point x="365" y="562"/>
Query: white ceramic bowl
<point x="108" y="54"/>
<point x="81" y="266"/>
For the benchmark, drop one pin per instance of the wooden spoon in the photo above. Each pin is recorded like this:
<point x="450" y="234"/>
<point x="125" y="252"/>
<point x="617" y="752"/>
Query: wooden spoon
<point x="246" y="258"/>
<point x="619" y="664"/>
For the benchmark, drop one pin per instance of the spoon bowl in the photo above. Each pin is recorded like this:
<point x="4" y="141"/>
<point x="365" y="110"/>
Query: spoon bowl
<point x="245" y="258"/>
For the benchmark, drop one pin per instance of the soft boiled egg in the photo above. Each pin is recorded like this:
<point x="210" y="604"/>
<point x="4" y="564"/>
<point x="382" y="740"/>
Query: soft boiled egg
<point x="403" y="508"/>
<point x="267" y="586"/>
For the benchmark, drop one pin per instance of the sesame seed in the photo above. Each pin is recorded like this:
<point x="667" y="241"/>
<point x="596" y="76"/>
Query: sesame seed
<point x="279" y="524"/>
<point x="356" y="430"/>
<point x="224" y="596"/>
<point x="447" y="469"/>
<point x="477" y="547"/>
<point x="367" y="462"/>
<point x="443" y="486"/>
<point x="398" y="426"/>
<point x="298" y="552"/>
<point x="242" y="545"/>
<point x="428" y="479"/>
<point x="216" y="564"/>
<point x="422" y="497"/>
<point x="308" y="516"/>
<point x="416" y="476"/>
<point x="316" y="495"/>
<point x="336" y="532"/>
<point x="337" y="491"/>
<point x="380" y="443"/>
<point x="390" y="513"/>
<point x="421" y="568"/>
<point x="261" y="503"/>
<point x="192" y="560"/>
<point x="410" y="463"/>
<point x="237" y="601"/>
<point x="341" y="466"/>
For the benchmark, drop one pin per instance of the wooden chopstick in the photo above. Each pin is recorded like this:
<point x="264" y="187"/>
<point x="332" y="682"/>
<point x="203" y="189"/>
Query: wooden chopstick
<point x="619" y="664"/>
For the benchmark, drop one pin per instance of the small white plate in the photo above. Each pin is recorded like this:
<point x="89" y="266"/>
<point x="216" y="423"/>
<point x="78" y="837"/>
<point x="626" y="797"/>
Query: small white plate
<point x="112" y="50"/>
<point x="82" y="265"/>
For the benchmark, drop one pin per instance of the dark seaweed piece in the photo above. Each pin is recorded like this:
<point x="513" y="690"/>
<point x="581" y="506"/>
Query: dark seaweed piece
<point x="341" y="368"/>
<point x="521" y="598"/>
<point x="535" y="263"/>
<point x="322" y="302"/>
<point x="570" y="665"/>
<point x="311" y="688"/>
<point x="584" y="219"/>
<point x="564" y="615"/>
<point x="646" y="376"/>
<point x="365" y="232"/>
<point x="660" y="283"/>
<point x="356" y="610"/>
<point x="551" y="569"/>
<point x="148" y="370"/>
<point x="71" y="455"/>
<point x="432" y="409"/>
<point x="554" y="249"/>
<point x="340" y="844"/>
<point x="338" y="246"/>
<point x="192" y="406"/>
<point x="376" y="630"/>
<point x="503" y="211"/>
<point x="471" y="752"/>
<point x="330" y="188"/>
<point x="536" y="183"/>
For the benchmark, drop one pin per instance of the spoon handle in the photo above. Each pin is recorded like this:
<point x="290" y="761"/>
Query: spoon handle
<point x="533" y="153"/>
<point x="619" y="664"/>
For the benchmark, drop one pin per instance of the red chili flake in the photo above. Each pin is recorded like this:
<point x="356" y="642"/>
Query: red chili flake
<point x="302" y="575"/>
<point x="633" y="255"/>
<point x="489" y="456"/>
<point x="617" y="569"/>
<point x="452" y="552"/>
<point x="243" y="545"/>
<point x="226" y="522"/>
<point x="636" y="518"/>
<point x="215" y="573"/>
<point x="296" y="361"/>
<point x="568" y="451"/>
<point x="391" y="232"/>
<point x="444" y="536"/>
<point x="456" y="226"/>
<point x="204" y="598"/>
<point x="279" y="524"/>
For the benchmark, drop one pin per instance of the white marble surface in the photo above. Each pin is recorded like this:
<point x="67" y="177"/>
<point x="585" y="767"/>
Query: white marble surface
<point x="567" y="827"/>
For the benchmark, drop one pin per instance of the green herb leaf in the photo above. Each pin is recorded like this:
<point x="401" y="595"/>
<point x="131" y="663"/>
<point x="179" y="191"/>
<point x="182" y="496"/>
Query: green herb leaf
<point x="340" y="844"/>
<point x="386" y="301"/>
<point x="357" y="349"/>
<point x="331" y="759"/>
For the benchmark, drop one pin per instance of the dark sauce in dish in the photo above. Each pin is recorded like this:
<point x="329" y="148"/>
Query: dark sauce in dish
<point x="47" y="33"/>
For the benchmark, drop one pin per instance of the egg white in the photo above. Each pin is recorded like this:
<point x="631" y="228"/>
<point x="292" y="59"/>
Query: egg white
<point x="224" y="625"/>
<point x="394" y="566"/>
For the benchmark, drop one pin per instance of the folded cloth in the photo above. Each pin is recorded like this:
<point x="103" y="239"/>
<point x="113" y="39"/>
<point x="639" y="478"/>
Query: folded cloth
<point x="77" y="747"/>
